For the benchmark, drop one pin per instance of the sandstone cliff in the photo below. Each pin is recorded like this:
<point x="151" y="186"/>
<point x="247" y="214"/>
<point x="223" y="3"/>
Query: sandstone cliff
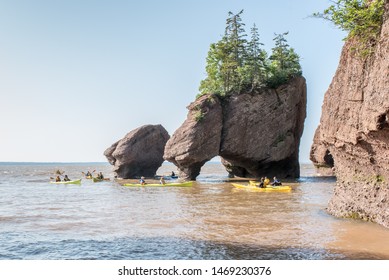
<point x="139" y="153"/>
<point x="256" y="134"/>
<point x="321" y="156"/>
<point x="354" y="128"/>
<point x="198" y="139"/>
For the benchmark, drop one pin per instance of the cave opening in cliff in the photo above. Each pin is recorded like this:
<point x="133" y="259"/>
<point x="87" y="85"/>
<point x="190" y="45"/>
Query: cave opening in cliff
<point x="328" y="159"/>
<point x="382" y="121"/>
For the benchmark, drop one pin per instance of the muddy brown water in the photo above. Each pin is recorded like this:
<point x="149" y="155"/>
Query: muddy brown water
<point x="211" y="220"/>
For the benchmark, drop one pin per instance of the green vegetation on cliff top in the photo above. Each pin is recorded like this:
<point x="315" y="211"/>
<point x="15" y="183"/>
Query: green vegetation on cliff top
<point x="362" y="19"/>
<point x="235" y="64"/>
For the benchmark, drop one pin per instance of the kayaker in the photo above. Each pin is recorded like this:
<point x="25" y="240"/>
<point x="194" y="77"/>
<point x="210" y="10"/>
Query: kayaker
<point x="66" y="178"/>
<point x="162" y="181"/>
<point x="100" y="176"/>
<point x="88" y="174"/>
<point x="266" y="182"/>
<point x="57" y="179"/>
<point x="142" y="181"/>
<point x="261" y="184"/>
<point x="173" y="174"/>
<point x="276" y="182"/>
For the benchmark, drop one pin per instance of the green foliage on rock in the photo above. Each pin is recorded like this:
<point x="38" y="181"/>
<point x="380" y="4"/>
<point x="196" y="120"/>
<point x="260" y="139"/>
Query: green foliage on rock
<point x="235" y="64"/>
<point x="199" y="116"/>
<point x="362" y="19"/>
<point x="284" y="62"/>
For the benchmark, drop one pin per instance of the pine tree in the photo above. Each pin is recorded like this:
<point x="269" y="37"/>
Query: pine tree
<point x="284" y="62"/>
<point x="235" y="65"/>
<point x="280" y="51"/>
<point x="213" y="83"/>
<point x="234" y="38"/>
<point x="255" y="60"/>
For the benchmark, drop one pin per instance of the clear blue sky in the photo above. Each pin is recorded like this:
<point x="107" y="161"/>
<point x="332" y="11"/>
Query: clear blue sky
<point x="77" y="75"/>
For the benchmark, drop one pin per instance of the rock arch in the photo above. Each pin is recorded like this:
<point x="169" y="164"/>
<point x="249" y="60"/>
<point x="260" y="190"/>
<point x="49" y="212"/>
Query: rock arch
<point x="255" y="134"/>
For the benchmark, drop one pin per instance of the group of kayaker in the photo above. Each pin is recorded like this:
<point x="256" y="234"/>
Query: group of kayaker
<point x="266" y="181"/>
<point x="161" y="180"/>
<point x="88" y="175"/>
<point x="100" y="176"/>
<point x="143" y="182"/>
<point x="65" y="178"/>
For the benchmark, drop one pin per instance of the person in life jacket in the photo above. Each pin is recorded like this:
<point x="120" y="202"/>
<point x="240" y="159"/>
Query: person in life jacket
<point x="266" y="182"/>
<point x="142" y="181"/>
<point x="100" y="176"/>
<point x="276" y="182"/>
<point x="261" y="184"/>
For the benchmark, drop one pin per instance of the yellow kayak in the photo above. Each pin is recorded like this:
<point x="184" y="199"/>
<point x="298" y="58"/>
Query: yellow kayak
<point x="253" y="183"/>
<point x="175" y="184"/>
<point x="267" y="189"/>
<point x="67" y="182"/>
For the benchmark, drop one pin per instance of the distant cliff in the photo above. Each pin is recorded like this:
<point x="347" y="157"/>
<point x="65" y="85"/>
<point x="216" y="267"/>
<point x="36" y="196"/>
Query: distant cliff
<point x="256" y="134"/>
<point x="354" y="132"/>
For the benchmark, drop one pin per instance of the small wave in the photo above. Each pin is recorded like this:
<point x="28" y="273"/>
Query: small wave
<point x="7" y="219"/>
<point x="160" y="248"/>
<point x="37" y="181"/>
<point x="317" y="179"/>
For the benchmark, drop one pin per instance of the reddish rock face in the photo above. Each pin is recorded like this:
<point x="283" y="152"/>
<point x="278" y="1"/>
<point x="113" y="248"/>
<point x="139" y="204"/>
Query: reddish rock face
<point x="321" y="156"/>
<point x="139" y="153"/>
<point x="261" y="131"/>
<point x="198" y="139"/>
<point x="256" y="134"/>
<point x="354" y="128"/>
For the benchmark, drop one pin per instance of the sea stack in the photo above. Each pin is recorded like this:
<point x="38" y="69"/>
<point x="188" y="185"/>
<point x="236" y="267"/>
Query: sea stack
<point x="198" y="139"/>
<point x="354" y="129"/>
<point x="139" y="153"/>
<point x="256" y="134"/>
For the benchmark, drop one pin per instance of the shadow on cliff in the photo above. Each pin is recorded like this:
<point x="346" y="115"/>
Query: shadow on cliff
<point x="170" y="248"/>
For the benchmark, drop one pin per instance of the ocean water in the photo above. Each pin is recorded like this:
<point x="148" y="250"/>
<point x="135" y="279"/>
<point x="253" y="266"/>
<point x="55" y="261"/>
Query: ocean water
<point x="211" y="220"/>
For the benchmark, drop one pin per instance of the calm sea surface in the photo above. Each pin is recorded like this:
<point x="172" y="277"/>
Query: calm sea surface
<point x="211" y="220"/>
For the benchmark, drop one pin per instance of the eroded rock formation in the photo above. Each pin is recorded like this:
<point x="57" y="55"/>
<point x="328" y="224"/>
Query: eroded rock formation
<point x="354" y="128"/>
<point x="198" y="139"/>
<point x="321" y="156"/>
<point x="256" y="134"/>
<point x="261" y="131"/>
<point x="139" y="153"/>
